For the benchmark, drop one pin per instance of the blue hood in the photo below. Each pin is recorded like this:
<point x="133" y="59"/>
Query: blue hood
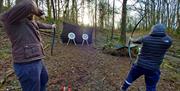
<point x="158" y="30"/>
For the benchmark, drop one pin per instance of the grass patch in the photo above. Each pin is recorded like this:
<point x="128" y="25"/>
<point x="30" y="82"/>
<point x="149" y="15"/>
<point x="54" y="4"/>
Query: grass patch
<point x="4" y="46"/>
<point x="173" y="69"/>
<point x="4" y="53"/>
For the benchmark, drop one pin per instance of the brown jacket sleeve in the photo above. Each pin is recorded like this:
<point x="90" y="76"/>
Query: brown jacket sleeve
<point x="21" y="11"/>
<point x="44" y="26"/>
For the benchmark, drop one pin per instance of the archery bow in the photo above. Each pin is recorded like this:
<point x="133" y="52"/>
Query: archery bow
<point x="54" y="30"/>
<point x="129" y="43"/>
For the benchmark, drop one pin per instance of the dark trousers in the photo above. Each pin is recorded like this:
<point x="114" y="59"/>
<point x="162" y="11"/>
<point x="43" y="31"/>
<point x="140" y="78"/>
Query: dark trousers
<point x="151" y="77"/>
<point x="32" y="76"/>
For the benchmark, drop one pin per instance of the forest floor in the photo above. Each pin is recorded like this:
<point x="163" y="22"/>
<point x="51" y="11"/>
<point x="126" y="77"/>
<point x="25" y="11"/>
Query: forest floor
<point x="86" y="68"/>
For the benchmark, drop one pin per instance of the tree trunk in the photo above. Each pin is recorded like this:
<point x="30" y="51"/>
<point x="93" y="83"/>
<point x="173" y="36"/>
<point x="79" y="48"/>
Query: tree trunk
<point x="162" y="14"/>
<point x="95" y="22"/>
<point x="101" y="14"/>
<point x="146" y="14"/>
<point x="167" y="16"/>
<point x="158" y="11"/>
<point x="74" y="11"/>
<point x="82" y="10"/>
<point x="112" y="31"/>
<point x="58" y="9"/>
<point x="48" y="9"/>
<point x="153" y="9"/>
<point x="1" y="6"/>
<point x="173" y="16"/>
<point x="108" y="12"/>
<point x="123" y="23"/>
<point x="66" y="11"/>
<point x="178" y="16"/>
<point x="17" y="1"/>
<point x="9" y="3"/>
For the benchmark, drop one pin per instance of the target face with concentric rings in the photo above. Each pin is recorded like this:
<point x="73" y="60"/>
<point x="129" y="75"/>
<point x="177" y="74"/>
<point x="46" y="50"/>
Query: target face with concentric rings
<point x="71" y="35"/>
<point x="85" y="37"/>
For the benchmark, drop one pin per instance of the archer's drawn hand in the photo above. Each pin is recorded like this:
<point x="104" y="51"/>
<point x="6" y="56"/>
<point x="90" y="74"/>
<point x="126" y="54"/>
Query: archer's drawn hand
<point x="130" y="38"/>
<point x="53" y="26"/>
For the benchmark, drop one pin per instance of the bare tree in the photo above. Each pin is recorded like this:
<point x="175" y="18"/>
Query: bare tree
<point x="95" y="21"/>
<point x="178" y="16"/>
<point x="66" y="11"/>
<point x="48" y="9"/>
<point x="9" y="3"/>
<point x="102" y="13"/>
<point x="112" y="31"/>
<point x="74" y="11"/>
<point x="1" y="5"/>
<point x="123" y="23"/>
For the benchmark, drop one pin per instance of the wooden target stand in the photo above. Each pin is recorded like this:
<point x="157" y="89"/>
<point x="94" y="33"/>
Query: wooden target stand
<point x="72" y="37"/>
<point x="85" y="38"/>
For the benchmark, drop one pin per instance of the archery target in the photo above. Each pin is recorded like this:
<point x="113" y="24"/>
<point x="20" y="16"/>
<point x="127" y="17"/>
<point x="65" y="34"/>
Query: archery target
<point x="71" y="35"/>
<point x="85" y="37"/>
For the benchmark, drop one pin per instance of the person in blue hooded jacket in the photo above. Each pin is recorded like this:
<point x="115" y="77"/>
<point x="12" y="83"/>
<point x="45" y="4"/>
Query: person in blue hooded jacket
<point x="154" y="47"/>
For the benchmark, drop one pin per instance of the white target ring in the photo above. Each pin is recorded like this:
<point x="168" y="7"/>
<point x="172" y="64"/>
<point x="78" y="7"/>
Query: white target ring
<point x="85" y="37"/>
<point x="71" y="35"/>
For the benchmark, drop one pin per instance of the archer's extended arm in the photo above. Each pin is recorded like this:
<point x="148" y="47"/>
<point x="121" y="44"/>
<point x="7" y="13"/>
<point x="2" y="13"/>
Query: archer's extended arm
<point x="21" y="11"/>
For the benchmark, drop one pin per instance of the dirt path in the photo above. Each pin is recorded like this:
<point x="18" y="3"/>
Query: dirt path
<point x="88" y="69"/>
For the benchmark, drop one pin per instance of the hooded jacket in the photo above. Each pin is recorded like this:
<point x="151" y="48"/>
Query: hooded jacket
<point x="23" y="32"/>
<point x="154" y="47"/>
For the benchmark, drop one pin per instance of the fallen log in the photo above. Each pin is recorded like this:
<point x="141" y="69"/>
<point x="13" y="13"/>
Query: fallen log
<point x="123" y="51"/>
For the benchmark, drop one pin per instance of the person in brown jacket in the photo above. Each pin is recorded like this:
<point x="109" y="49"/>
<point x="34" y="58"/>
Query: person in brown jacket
<point x="27" y="50"/>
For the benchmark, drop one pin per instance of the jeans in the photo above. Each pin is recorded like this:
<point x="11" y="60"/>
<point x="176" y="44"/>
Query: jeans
<point x="32" y="76"/>
<point x="151" y="77"/>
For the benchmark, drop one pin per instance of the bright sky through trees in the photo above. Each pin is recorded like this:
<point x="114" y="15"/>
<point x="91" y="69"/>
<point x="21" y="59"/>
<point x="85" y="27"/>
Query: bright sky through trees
<point x="88" y="19"/>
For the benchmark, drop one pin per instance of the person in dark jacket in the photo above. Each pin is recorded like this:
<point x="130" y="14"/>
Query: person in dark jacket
<point x="154" y="47"/>
<point x="27" y="49"/>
